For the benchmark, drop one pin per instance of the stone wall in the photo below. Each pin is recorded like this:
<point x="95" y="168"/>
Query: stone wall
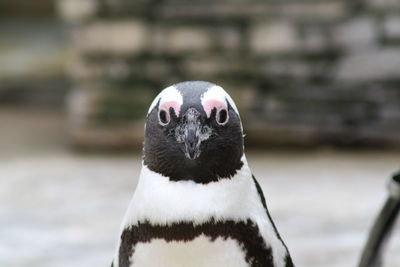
<point x="303" y="72"/>
<point x="33" y="50"/>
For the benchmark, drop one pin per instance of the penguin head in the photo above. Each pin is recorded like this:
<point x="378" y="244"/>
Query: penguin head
<point x="193" y="132"/>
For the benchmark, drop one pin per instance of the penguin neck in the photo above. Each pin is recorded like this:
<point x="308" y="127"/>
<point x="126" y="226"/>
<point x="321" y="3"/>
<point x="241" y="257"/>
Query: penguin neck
<point x="162" y="201"/>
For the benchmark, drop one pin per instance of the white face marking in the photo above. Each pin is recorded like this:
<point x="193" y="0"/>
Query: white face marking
<point x="216" y="97"/>
<point x="169" y="97"/>
<point x="164" y="202"/>
<point x="199" y="252"/>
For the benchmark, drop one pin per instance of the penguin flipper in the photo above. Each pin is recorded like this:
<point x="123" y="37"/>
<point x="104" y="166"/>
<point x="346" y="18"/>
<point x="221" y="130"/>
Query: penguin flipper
<point x="289" y="262"/>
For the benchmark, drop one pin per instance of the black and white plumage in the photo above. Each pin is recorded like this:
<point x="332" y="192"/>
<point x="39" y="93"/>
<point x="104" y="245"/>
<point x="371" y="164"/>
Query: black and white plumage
<point x="197" y="202"/>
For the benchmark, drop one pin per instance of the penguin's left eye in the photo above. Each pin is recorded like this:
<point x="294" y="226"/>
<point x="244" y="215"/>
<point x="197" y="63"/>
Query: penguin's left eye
<point x="222" y="117"/>
<point x="163" y="117"/>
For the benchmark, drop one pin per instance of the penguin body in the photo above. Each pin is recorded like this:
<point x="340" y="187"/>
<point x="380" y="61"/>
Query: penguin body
<point x="197" y="202"/>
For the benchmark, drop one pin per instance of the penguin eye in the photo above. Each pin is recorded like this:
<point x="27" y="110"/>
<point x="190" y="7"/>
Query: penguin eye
<point x="222" y="117"/>
<point x="163" y="117"/>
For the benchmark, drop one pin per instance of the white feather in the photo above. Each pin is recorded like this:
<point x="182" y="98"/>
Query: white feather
<point x="166" y="95"/>
<point x="200" y="252"/>
<point x="218" y="93"/>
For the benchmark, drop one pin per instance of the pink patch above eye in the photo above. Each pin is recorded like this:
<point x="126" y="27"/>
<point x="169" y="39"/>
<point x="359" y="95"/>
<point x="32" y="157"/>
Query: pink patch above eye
<point x="171" y="104"/>
<point x="209" y="105"/>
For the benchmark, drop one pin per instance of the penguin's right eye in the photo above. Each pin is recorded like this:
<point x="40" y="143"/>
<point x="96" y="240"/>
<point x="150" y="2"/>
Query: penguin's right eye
<point x="163" y="117"/>
<point x="222" y="117"/>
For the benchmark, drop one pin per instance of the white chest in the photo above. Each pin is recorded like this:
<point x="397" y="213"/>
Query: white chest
<point x="200" y="252"/>
<point x="163" y="202"/>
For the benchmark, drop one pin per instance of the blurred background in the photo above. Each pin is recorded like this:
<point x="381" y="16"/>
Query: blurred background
<point x="317" y="83"/>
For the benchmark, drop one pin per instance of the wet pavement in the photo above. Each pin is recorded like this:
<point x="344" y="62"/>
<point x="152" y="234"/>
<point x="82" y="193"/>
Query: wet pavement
<point x="64" y="209"/>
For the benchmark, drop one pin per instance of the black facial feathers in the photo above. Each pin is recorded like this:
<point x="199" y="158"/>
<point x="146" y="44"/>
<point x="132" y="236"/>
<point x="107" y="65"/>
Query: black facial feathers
<point x="220" y="147"/>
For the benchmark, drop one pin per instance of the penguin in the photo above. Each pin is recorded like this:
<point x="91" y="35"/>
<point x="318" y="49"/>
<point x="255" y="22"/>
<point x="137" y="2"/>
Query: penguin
<point x="197" y="203"/>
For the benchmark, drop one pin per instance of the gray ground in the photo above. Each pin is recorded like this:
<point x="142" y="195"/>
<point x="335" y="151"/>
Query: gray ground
<point x="59" y="208"/>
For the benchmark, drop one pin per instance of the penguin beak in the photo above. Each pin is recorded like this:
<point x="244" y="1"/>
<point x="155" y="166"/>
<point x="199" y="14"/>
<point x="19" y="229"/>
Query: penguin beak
<point x="192" y="143"/>
<point x="191" y="133"/>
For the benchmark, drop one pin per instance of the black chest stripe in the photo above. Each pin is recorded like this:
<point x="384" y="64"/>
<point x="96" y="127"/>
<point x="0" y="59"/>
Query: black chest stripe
<point x="246" y="233"/>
